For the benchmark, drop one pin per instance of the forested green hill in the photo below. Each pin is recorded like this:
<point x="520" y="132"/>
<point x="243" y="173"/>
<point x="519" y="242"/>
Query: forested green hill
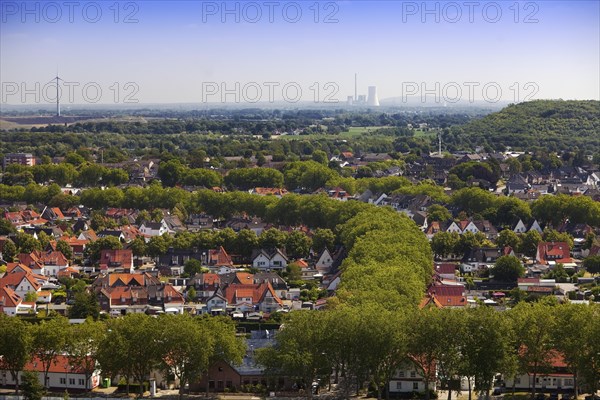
<point x="551" y="125"/>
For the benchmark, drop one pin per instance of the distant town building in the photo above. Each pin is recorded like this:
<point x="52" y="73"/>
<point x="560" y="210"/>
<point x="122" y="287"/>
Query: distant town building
<point x="19" y="158"/>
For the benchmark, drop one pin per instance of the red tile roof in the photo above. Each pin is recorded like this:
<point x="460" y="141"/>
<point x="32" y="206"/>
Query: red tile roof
<point x="8" y="298"/>
<point x="558" y="252"/>
<point x="121" y="258"/>
<point x="219" y="257"/>
<point x="60" y="364"/>
<point x="53" y="258"/>
<point x="270" y="191"/>
<point x="17" y="267"/>
<point x="256" y="292"/>
<point x="128" y="279"/>
<point x="445" y="268"/>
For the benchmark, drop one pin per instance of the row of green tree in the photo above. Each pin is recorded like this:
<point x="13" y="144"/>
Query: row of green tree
<point x="506" y="211"/>
<point x="366" y="346"/>
<point x="131" y="347"/>
<point x="297" y="244"/>
<point x="85" y="175"/>
<point x="446" y="244"/>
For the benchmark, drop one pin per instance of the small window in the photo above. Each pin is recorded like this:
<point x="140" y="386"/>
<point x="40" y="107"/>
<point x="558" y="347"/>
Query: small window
<point x="63" y="381"/>
<point x="81" y="382"/>
<point x="71" y="381"/>
<point x="413" y="374"/>
<point x="398" y="385"/>
<point x="400" y="374"/>
<point x="415" y="385"/>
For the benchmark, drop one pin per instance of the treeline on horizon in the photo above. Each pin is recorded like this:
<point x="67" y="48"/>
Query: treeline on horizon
<point x="553" y="125"/>
<point x="545" y="125"/>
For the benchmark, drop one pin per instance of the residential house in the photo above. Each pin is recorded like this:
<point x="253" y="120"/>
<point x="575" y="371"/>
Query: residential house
<point x="269" y="259"/>
<point x="520" y="227"/>
<point x="51" y="231"/>
<point x="25" y="218"/>
<point x="557" y="378"/>
<point x="178" y="257"/>
<point x="21" y="283"/>
<point x="517" y="184"/>
<point x="487" y="228"/>
<point x="47" y="263"/>
<point x="73" y="213"/>
<point x="408" y="378"/>
<point x="196" y="222"/>
<point x="124" y="299"/>
<point x="89" y="235"/>
<point x="409" y="204"/>
<point x="277" y="282"/>
<point x="552" y="253"/>
<point x="480" y="258"/>
<point x="376" y="157"/>
<point x="535" y="226"/>
<point x="338" y="193"/>
<point x="53" y="214"/>
<point x="526" y="284"/>
<point x="62" y="375"/>
<point x="324" y="262"/>
<point x="130" y="233"/>
<point x="247" y="298"/>
<point x="448" y="296"/>
<point x="116" y="260"/>
<point x="223" y="376"/>
<point x="206" y="285"/>
<point x="129" y="292"/>
<point x="433" y="228"/>
<point x="219" y="258"/>
<point x="77" y="245"/>
<point x="119" y="214"/>
<point x="263" y="191"/>
<point x="149" y="228"/>
<point x="173" y="224"/>
<point x="10" y="302"/>
<point x="420" y="218"/>
<point x="112" y="232"/>
<point x="216" y="304"/>
<point x="445" y="270"/>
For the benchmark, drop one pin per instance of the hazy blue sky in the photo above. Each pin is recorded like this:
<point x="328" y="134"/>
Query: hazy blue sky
<point x="177" y="51"/>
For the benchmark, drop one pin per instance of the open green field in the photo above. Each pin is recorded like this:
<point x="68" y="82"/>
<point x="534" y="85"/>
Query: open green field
<point x="422" y="133"/>
<point x="352" y="132"/>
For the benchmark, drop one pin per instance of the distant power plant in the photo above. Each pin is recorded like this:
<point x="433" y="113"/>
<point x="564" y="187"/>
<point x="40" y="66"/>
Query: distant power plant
<point x="373" y="101"/>
<point x="363" y="100"/>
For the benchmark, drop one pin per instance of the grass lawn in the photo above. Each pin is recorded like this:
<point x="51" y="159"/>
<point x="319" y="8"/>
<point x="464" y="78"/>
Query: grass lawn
<point x="422" y="133"/>
<point x="352" y="132"/>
